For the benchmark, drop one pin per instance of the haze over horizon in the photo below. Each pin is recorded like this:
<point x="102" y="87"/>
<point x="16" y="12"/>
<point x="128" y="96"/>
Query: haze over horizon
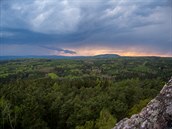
<point x="77" y="28"/>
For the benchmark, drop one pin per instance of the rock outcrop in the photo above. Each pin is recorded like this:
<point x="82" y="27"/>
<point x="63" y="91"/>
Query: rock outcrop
<point x="156" y="115"/>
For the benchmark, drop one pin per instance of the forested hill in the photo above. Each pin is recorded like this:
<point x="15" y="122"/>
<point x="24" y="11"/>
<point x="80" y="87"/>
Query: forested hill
<point x="77" y="93"/>
<point x="107" y="56"/>
<point x="57" y="57"/>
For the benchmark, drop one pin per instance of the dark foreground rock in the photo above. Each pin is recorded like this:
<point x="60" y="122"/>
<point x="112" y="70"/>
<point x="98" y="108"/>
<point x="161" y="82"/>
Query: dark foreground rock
<point x="156" y="115"/>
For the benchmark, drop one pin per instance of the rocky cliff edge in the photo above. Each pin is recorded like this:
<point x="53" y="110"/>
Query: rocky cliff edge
<point x="156" y="115"/>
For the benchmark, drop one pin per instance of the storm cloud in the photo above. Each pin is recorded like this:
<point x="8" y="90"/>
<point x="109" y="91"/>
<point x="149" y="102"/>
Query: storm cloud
<point x="76" y="24"/>
<point x="60" y="50"/>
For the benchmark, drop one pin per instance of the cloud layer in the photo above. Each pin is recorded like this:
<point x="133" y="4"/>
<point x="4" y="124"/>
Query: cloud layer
<point x="76" y="24"/>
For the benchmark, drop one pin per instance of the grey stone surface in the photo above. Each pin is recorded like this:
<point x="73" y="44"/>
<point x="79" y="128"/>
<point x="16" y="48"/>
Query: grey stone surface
<point x="156" y="115"/>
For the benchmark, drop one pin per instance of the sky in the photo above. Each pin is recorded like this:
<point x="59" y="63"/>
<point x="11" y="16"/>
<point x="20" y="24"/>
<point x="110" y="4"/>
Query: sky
<point x="86" y="27"/>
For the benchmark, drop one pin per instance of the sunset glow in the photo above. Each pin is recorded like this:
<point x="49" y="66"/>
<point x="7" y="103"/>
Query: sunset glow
<point x="92" y="51"/>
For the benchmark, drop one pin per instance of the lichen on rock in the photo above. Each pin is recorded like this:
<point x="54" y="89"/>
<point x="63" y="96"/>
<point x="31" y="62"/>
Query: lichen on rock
<point x="156" y="115"/>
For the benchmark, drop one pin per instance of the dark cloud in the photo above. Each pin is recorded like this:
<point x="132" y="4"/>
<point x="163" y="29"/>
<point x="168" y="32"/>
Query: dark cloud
<point x="60" y="50"/>
<point x="23" y="36"/>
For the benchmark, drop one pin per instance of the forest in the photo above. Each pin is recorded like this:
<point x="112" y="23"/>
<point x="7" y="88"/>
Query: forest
<point x="89" y="93"/>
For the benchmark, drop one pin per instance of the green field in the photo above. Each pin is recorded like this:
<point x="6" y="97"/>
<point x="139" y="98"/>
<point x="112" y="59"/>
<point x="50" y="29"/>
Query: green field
<point x="89" y="93"/>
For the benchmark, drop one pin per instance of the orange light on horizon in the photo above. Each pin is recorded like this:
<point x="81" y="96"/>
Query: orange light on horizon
<point x="132" y="51"/>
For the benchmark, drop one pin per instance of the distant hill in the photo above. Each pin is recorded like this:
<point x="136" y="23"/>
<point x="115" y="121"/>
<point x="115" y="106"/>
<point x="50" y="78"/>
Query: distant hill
<point x="37" y="57"/>
<point x="107" y="56"/>
<point x="57" y="57"/>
